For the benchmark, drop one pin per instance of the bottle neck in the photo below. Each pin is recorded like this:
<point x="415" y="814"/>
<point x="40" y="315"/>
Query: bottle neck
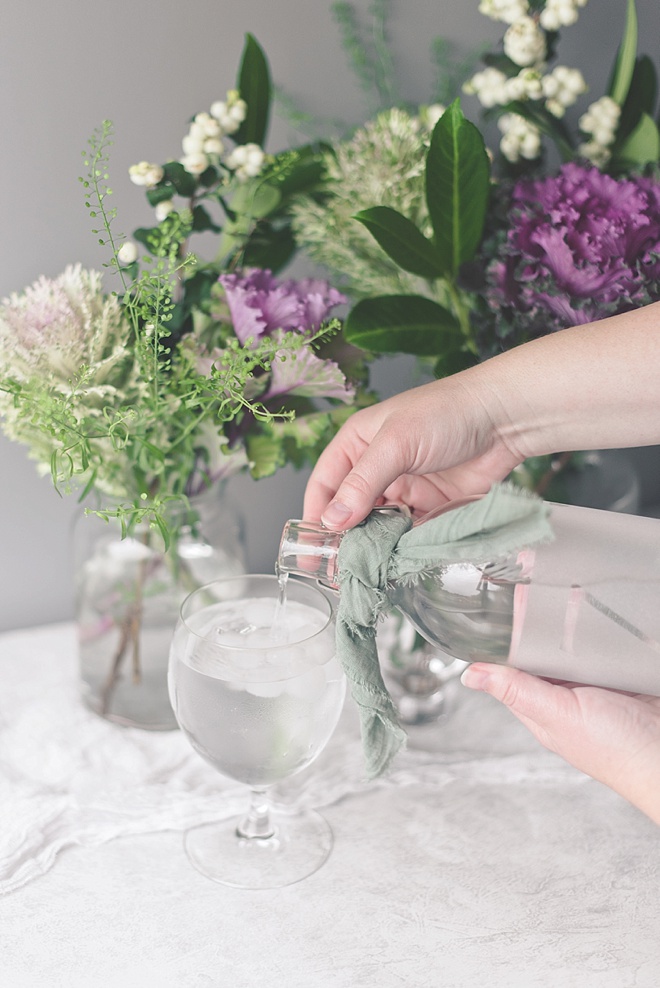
<point x="310" y="550"/>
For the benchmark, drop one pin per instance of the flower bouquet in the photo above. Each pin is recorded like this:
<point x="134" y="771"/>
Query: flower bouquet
<point x="452" y="252"/>
<point x="484" y="250"/>
<point x="143" y="398"/>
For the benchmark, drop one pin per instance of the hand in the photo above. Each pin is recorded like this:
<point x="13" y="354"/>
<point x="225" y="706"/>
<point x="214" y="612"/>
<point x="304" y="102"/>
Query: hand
<point x="612" y="736"/>
<point x="421" y="448"/>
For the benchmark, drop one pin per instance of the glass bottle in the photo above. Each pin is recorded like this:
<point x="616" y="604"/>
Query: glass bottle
<point x="582" y="608"/>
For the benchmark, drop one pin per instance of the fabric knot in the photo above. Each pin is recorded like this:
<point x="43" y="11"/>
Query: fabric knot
<point x="386" y="549"/>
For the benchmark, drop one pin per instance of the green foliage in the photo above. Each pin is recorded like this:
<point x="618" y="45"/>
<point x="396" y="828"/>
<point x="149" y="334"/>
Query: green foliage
<point x="156" y="395"/>
<point x="624" y="65"/>
<point x="457" y="183"/>
<point x="402" y="241"/>
<point x="457" y="188"/>
<point x="255" y="88"/>
<point x="402" y="324"/>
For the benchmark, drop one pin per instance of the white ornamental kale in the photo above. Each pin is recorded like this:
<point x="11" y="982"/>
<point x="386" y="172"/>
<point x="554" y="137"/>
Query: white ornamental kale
<point x="57" y="327"/>
<point x="382" y="164"/>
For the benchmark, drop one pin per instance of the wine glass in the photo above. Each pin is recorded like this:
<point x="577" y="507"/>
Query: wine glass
<point x="257" y="690"/>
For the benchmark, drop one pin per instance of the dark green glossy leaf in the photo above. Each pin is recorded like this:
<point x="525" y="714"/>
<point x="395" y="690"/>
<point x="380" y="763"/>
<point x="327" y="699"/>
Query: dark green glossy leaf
<point x="641" y="97"/>
<point x="202" y="221"/>
<point x="184" y="183"/>
<point x="401" y="240"/>
<point x="143" y="235"/>
<point x="255" y="88"/>
<point x="269" y="247"/>
<point x="160" y="194"/>
<point x="624" y="65"/>
<point x="402" y="324"/>
<point x="501" y="62"/>
<point x="457" y="188"/>
<point x="208" y="177"/>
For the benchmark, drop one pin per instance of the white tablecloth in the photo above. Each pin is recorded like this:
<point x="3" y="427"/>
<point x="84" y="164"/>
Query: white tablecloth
<point x="482" y="861"/>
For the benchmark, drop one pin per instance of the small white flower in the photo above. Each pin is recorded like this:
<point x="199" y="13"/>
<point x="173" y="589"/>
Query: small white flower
<point x="556" y="108"/>
<point x="561" y="88"/>
<point x="594" y="153"/>
<point x="521" y="138"/>
<point x="429" y="115"/>
<point x="127" y="253"/>
<point x="504" y="10"/>
<point x="524" y="42"/>
<point x="163" y="209"/>
<point x="145" y="173"/>
<point x="230" y="113"/>
<point x="195" y="163"/>
<point x="530" y="145"/>
<point x="208" y="124"/>
<point x="213" y="146"/>
<point x="560" y="13"/>
<point x="489" y="86"/>
<point x="197" y="130"/>
<point x="192" y="144"/>
<point x="246" y="161"/>
<point x="601" y="120"/>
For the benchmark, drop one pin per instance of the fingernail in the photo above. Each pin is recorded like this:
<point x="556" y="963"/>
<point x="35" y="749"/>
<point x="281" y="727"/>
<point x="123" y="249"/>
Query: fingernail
<point x="336" y="514"/>
<point x="475" y="677"/>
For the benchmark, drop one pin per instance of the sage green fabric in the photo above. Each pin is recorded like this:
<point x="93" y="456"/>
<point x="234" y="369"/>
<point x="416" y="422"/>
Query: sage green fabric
<point x="384" y="549"/>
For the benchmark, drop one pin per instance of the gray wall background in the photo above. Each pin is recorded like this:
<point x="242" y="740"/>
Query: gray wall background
<point x="148" y="66"/>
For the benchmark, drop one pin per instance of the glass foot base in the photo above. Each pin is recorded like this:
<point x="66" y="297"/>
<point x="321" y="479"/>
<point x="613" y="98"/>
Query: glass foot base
<point x="299" y="846"/>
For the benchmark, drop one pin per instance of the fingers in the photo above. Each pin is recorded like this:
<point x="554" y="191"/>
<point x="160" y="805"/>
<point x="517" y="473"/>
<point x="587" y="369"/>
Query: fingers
<point x="380" y="464"/>
<point x="542" y="706"/>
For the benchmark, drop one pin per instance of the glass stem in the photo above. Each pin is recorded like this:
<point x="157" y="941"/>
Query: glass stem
<point x="257" y="823"/>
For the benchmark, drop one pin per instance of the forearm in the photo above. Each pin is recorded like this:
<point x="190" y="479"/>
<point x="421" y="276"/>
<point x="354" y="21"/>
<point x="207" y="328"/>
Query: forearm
<point x="588" y="387"/>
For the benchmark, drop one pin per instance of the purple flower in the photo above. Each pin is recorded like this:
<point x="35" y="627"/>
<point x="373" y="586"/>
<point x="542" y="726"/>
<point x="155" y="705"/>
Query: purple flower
<point x="304" y="374"/>
<point x="578" y="247"/>
<point x="259" y="304"/>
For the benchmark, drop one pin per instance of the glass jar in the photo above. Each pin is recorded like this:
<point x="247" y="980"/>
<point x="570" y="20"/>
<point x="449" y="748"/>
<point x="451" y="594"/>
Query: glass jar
<point x="128" y="594"/>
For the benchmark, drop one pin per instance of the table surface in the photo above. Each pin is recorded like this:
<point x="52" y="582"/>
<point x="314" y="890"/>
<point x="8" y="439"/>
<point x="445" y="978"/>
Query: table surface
<point x="482" y="860"/>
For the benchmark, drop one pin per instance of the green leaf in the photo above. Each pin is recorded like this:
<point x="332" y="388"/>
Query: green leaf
<point x="160" y="194"/>
<point x="269" y="247"/>
<point x="454" y="361"/>
<point x="143" y="235"/>
<point x="401" y="240"/>
<point x="265" y="199"/>
<point x="184" y="183"/>
<point x="264" y="454"/>
<point x="164" y="531"/>
<point x="202" y="221"/>
<point x="641" y="96"/>
<point x="624" y="65"/>
<point x="641" y="147"/>
<point x="255" y="88"/>
<point x="457" y="187"/>
<point x="402" y="324"/>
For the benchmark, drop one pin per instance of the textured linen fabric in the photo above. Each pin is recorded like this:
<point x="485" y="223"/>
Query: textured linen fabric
<point x="385" y="549"/>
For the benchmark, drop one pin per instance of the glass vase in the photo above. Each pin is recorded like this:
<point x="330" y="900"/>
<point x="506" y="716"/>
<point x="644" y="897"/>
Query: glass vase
<point x="128" y="594"/>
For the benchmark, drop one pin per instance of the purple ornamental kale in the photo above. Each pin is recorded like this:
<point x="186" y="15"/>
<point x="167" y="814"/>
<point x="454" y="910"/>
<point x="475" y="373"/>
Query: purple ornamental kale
<point x="259" y="304"/>
<point x="579" y="246"/>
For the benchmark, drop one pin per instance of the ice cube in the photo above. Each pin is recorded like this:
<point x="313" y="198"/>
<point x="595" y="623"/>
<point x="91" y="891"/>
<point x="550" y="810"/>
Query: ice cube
<point x="265" y="689"/>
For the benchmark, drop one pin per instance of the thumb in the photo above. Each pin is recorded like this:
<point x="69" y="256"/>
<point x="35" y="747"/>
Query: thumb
<point x="540" y="705"/>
